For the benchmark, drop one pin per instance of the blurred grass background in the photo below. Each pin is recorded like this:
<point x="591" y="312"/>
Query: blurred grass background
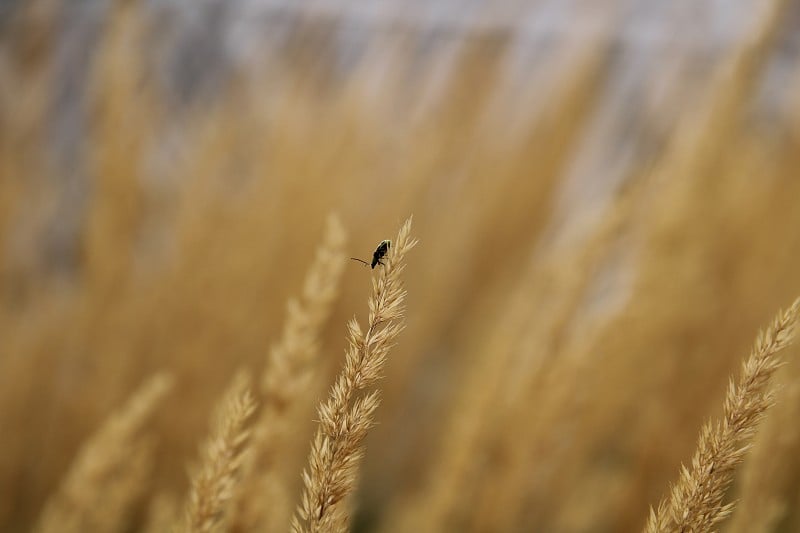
<point x="606" y="195"/>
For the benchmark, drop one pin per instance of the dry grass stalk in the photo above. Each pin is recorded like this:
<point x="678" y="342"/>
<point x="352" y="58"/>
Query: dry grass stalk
<point x="284" y="386"/>
<point x="291" y="360"/>
<point x="110" y="471"/>
<point x="347" y="415"/>
<point x="768" y="474"/>
<point x="695" y="504"/>
<point x="214" y="481"/>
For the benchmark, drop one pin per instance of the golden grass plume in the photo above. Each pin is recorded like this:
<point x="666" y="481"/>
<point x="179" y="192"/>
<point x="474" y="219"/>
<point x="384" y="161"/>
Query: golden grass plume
<point x="110" y="471"/>
<point x="696" y="501"/>
<point x="348" y="413"/>
<point x="286" y="381"/>
<point x="215" y="477"/>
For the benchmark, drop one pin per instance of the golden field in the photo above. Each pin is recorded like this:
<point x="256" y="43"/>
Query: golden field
<point x="589" y="229"/>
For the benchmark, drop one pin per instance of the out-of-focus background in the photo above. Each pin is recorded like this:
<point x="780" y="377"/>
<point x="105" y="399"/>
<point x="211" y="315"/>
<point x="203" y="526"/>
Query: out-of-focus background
<point x="606" y="195"/>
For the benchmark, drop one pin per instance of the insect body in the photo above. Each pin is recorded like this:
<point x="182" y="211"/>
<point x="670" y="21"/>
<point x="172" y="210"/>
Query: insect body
<point x="380" y="253"/>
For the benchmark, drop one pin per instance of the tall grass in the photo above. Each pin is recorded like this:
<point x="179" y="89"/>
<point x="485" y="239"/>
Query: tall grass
<point x="219" y="471"/>
<point x="608" y="216"/>
<point x="696" y="500"/>
<point x="349" y="412"/>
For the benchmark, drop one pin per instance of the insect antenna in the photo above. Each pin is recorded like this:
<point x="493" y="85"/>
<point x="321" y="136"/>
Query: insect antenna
<point x="360" y="260"/>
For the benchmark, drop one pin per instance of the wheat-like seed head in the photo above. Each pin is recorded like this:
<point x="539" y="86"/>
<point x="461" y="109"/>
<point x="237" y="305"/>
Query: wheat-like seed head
<point x="109" y="472"/>
<point x="215" y="478"/>
<point x="263" y="502"/>
<point x="348" y="413"/>
<point x="695" y="503"/>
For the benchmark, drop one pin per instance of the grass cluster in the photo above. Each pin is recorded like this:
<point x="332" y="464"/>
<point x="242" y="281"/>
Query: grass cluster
<point x="185" y="345"/>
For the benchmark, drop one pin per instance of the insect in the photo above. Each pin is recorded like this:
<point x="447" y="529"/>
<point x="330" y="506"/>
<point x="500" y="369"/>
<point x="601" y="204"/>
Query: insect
<point x="379" y="253"/>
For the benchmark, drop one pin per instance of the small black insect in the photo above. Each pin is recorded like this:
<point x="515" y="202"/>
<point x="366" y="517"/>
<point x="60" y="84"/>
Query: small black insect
<point x="380" y="253"/>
